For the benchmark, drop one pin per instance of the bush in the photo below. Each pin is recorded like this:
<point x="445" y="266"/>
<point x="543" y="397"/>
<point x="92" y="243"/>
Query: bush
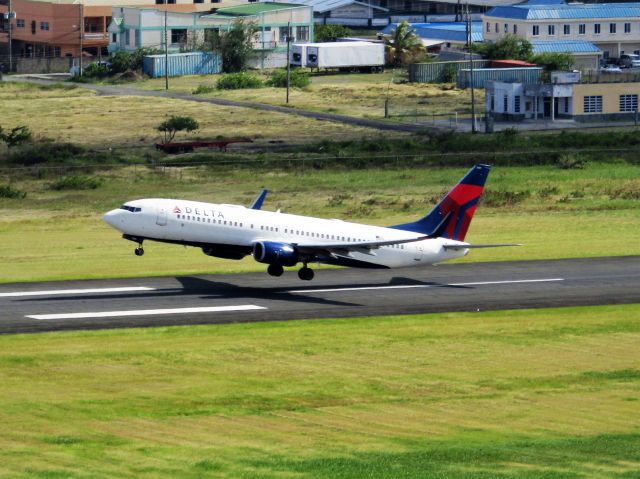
<point x="46" y="152"/>
<point x="297" y="79"/>
<point x="503" y="197"/>
<point x="330" y="33"/>
<point x="572" y="161"/>
<point x="7" y="191"/>
<point x="238" y="81"/>
<point x="96" y="70"/>
<point x="203" y="89"/>
<point x="76" y="182"/>
<point x="17" y="136"/>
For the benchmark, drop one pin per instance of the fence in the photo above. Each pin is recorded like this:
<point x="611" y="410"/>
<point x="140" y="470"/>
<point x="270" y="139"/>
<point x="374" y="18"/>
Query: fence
<point x="439" y="72"/>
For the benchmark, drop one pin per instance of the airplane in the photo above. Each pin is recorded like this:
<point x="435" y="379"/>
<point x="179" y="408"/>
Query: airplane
<point x="282" y="240"/>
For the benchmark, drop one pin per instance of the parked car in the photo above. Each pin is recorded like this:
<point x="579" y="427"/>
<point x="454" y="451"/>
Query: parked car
<point x="630" y="60"/>
<point x="611" y="69"/>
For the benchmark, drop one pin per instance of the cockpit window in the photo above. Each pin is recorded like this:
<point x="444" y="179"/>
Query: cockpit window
<point x="131" y="208"/>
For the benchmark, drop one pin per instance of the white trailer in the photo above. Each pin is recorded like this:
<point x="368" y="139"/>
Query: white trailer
<point x="360" y="56"/>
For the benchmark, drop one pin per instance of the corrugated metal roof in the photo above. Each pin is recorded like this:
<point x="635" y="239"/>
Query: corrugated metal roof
<point x="252" y="9"/>
<point x="447" y="31"/>
<point x="563" y="46"/>
<point x="322" y="6"/>
<point x="568" y="11"/>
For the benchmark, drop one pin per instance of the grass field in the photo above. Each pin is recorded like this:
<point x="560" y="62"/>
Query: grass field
<point x="533" y="393"/>
<point x="556" y="213"/>
<point x="65" y="113"/>
<point x="361" y="95"/>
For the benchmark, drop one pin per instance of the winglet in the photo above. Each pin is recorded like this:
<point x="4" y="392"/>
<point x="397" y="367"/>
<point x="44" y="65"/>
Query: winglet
<point x="257" y="203"/>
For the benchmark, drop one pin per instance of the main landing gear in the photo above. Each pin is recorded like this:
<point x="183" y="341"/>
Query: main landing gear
<point x="305" y="273"/>
<point x="139" y="251"/>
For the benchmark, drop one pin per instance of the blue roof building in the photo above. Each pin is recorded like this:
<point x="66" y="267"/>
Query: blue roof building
<point x="451" y="33"/>
<point x="613" y="28"/>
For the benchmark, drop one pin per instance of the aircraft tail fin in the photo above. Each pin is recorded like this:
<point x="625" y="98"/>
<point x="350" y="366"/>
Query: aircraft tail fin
<point x="451" y="217"/>
<point x="257" y="202"/>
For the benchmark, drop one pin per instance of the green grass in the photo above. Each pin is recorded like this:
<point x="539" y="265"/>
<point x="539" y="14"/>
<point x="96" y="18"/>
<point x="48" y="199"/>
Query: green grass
<point x="530" y="393"/>
<point x="560" y="214"/>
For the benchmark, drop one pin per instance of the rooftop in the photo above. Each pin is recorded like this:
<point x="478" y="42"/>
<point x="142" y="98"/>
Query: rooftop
<point x="564" y="46"/>
<point x="251" y="9"/>
<point x="322" y="6"/>
<point x="566" y="11"/>
<point x="446" y="31"/>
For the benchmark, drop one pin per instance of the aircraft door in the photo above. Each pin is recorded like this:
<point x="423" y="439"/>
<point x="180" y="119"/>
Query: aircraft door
<point x="161" y="219"/>
<point x="418" y="253"/>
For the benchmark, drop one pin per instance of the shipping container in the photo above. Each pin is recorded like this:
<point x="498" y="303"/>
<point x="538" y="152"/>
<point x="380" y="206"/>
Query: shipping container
<point x="482" y="75"/>
<point x="196" y="63"/>
<point x="439" y="72"/>
<point x="363" y="56"/>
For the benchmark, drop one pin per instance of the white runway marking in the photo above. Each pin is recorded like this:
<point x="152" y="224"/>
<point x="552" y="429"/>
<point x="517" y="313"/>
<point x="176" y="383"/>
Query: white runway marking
<point x="410" y="286"/>
<point x="55" y="292"/>
<point x="146" y="312"/>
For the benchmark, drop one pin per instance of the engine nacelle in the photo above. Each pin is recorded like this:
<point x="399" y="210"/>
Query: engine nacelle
<point x="270" y="252"/>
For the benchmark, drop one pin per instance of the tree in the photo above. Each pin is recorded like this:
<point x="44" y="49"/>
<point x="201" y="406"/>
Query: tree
<point x="235" y="45"/>
<point x="554" y="61"/>
<point x="508" y="47"/>
<point x="330" y="33"/>
<point x="16" y="136"/>
<point x="174" y="124"/>
<point x="403" y="45"/>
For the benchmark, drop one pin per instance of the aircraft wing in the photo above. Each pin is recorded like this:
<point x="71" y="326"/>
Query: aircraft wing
<point x="346" y="248"/>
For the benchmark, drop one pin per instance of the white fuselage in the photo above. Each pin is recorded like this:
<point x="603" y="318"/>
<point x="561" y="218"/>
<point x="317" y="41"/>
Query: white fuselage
<point x="191" y="222"/>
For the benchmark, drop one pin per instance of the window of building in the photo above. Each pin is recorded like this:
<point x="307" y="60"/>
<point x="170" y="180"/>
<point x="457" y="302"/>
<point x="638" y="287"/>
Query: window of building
<point x="159" y="2"/>
<point x="302" y="34"/>
<point x="628" y="103"/>
<point x="33" y="27"/>
<point x="497" y="29"/>
<point x="566" y="105"/>
<point x="20" y="23"/>
<point x="593" y="104"/>
<point x="551" y="30"/>
<point x="505" y="103"/>
<point x="516" y="104"/>
<point x="536" y="30"/>
<point x="198" y="1"/>
<point x="215" y="1"/>
<point x="284" y="31"/>
<point x="506" y="28"/>
<point x="488" y="27"/>
<point x="582" y="29"/>
<point x="515" y="29"/>
<point x="596" y="28"/>
<point x="179" y="35"/>
<point x="566" y="29"/>
<point x="57" y="52"/>
<point x="114" y="38"/>
<point x="627" y="28"/>
<point x="127" y="36"/>
<point x="612" y="28"/>
<point x="138" y="38"/>
<point x="492" y="103"/>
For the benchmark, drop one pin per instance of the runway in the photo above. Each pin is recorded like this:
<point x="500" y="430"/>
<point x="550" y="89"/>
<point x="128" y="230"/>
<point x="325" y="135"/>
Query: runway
<point x="212" y="299"/>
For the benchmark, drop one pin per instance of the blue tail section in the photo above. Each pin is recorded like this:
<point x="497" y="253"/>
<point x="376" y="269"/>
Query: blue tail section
<point x="451" y="217"/>
<point x="257" y="203"/>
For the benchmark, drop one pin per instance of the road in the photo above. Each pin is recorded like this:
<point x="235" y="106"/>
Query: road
<point x="209" y="299"/>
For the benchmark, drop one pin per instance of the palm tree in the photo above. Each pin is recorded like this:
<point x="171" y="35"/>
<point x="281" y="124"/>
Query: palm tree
<point x="403" y="44"/>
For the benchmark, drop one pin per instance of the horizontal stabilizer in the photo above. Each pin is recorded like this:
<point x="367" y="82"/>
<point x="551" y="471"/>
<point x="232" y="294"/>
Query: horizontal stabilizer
<point x="473" y="246"/>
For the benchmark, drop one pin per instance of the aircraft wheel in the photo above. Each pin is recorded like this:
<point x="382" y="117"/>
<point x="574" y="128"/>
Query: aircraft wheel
<point x="139" y="251"/>
<point x="305" y="274"/>
<point x="275" y="270"/>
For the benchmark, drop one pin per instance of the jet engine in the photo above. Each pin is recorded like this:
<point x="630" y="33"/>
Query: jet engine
<point x="270" y="252"/>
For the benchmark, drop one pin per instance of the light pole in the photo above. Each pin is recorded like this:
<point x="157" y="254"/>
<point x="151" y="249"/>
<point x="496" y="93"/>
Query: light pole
<point x="166" y="53"/>
<point x="10" y="16"/>
<point x="473" y="98"/>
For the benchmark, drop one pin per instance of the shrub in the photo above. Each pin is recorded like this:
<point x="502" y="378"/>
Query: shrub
<point x="503" y="197"/>
<point x="203" y="89"/>
<point x="571" y="161"/>
<point x="238" y="81"/>
<point x="96" y="70"/>
<point x="76" y="182"/>
<point x="17" y="136"/>
<point x="450" y="74"/>
<point x="297" y="79"/>
<point x="8" y="191"/>
<point x="46" y="152"/>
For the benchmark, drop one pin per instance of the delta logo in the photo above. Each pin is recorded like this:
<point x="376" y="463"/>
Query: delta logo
<point x="177" y="210"/>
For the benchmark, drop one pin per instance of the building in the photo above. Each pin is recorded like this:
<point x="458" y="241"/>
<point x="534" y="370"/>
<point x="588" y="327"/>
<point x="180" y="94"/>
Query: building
<point x="353" y="13"/>
<point x="439" y="36"/>
<point x="567" y="97"/>
<point x="614" y="28"/>
<point x="61" y="28"/>
<point x="586" y="56"/>
<point x="133" y="28"/>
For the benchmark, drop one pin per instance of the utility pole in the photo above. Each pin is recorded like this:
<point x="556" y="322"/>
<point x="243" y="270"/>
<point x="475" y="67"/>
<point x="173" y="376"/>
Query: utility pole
<point x="166" y="53"/>
<point x="288" y="59"/>
<point x="473" y="98"/>
<point x="81" y="28"/>
<point x="11" y="15"/>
